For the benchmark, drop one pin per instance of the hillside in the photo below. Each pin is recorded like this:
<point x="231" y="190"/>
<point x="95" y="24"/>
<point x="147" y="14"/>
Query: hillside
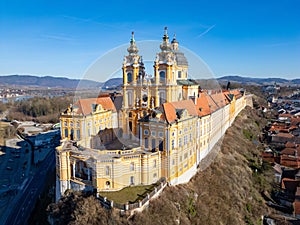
<point x="113" y="83"/>
<point x="47" y="81"/>
<point x="63" y="82"/>
<point x="228" y="191"/>
<point x="260" y="81"/>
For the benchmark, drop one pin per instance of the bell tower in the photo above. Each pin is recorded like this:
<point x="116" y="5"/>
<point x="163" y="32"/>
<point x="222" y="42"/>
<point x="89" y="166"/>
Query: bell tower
<point x="164" y="66"/>
<point x="133" y="68"/>
<point x="133" y="74"/>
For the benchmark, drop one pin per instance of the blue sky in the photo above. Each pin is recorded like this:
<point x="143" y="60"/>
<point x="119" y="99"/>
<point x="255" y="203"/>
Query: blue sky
<point x="62" y="38"/>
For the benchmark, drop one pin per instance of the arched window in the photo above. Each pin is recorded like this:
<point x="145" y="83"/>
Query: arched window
<point x="129" y="77"/>
<point x="162" y="76"/>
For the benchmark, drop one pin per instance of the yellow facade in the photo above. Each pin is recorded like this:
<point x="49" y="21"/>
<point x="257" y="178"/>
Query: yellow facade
<point x="161" y="134"/>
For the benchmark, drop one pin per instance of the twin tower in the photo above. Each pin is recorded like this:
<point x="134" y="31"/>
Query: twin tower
<point x="142" y="93"/>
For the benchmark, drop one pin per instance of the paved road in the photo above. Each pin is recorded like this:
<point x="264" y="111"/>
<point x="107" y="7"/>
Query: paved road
<point x="12" y="174"/>
<point x="25" y="203"/>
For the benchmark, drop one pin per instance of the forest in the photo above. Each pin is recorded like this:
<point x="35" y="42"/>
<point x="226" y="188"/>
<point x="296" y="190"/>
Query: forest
<point x="39" y="109"/>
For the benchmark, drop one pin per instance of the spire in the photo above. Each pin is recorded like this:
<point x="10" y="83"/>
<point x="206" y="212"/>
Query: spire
<point x="132" y="49"/>
<point x="165" y="45"/>
<point x="132" y="37"/>
<point x="174" y="39"/>
<point x="174" y="43"/>
<point x="166" y="37"/>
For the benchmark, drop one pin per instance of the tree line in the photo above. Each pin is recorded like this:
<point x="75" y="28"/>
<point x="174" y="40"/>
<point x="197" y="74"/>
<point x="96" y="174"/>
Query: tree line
<point x="39" y="109"/>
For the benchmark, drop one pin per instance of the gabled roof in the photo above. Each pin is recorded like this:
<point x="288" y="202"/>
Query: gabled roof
<point x="173" y="109"/>
<point x="291" y="151"/>
<point x="285" y="115"/>
<point x="219" y="99"/>
<point x="227" y="97"/>
<point x="236" y="93"/>
<point x="295" y="121"/>
<point x="212" y="104"/>
<point x="290" y="145"/>
<point x="284" y="135"/>
<point x="85" y="106"/>
<point x="202" y="105"/>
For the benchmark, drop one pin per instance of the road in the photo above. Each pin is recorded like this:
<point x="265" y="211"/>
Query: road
<point x="26" y="199"/>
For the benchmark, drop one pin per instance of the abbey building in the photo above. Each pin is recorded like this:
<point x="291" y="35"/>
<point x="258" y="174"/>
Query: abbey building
<point x="161" y="126"/>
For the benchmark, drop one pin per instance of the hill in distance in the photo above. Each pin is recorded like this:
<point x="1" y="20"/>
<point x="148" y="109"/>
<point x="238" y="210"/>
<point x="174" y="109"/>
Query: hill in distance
<point x="259" y="81"/>
<point x="47" y="81"/>
<point x="63" y="82"/>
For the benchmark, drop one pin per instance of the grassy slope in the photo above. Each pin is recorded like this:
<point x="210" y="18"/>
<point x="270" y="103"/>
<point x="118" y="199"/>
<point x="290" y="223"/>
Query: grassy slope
<point x="227" y="192"/>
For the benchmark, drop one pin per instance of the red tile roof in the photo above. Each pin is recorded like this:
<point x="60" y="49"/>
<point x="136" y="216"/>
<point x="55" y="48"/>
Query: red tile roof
<point x="290" y="151"/>
<point x="286" y="135"/>
<point x="285" y="115"/>
<point x="202" y="105"/>
<point x="212" y="104"/>
<point x="170" y="109"/>
<point x="236" y="93"/>
<point x="219" y="99"/>
<point x="290" y="145"/>
<point x="85" y="105"/>
<point x="295" y="121"/>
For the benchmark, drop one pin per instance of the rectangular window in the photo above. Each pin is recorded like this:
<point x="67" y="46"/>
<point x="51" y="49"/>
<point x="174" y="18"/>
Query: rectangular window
<point x="185" y="140"/>
<point x="78" y="134"/>
<point x="185" y="155"/>
<point x="66" y="132"/>
<point x="154" y="163"/>
<point x="161" y="146"/>
<point x="173" y="144"/>
<point x="107" y="170"/>
<point x="132" y="180"/>
<point x="179" y="74"/>
<point x="153" y="144"/>
<point x="146" y="143"/>
<point x="180" y="142"/>
<point x="132" y="166"/>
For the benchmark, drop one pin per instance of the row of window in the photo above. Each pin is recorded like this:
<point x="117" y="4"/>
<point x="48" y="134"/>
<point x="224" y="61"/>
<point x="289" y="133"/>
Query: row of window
<point x="153" y="133"/>
<point x="162" y="76"/>
<point x="153" y="144"/>
<point x="131" y="167"/>
<point x="71" y="136"/>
